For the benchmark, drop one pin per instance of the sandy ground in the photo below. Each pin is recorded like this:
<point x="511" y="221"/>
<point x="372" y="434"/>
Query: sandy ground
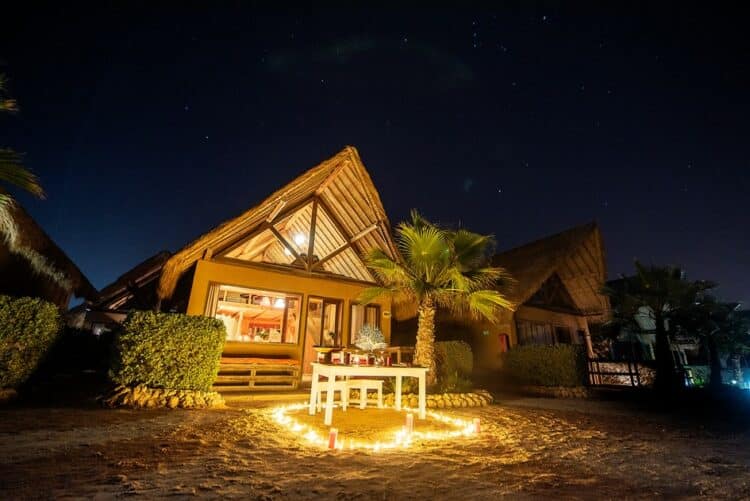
<point x="528" y="448"/>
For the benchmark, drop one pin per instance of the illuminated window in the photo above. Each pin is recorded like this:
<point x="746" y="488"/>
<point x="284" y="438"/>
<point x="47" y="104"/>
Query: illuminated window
<point x="256" y="316"/>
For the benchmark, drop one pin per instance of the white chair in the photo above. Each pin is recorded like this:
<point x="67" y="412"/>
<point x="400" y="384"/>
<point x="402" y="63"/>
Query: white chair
<point x="363" y="385"/>
<point x="338" y="386"/>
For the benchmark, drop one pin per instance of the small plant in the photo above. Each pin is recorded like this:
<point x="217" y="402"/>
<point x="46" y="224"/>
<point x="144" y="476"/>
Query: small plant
<point x="454" y="383"/>
<point x="455" y="364"/>
<point x="370" y="338"/>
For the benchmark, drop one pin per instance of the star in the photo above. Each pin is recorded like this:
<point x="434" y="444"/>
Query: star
<point x="186" y="108"/>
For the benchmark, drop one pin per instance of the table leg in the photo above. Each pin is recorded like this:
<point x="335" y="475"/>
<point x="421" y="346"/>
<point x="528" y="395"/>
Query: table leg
<point x="329" y="400"/>
<point x="398" y="393"/>
<point x="314" y="391"/>
<point x="422" y="396"/>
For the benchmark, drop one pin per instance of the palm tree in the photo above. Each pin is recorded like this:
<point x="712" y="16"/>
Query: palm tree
<point x="11" y="169"/>
<point x="722" y="328"/>
<point x="438" y="268"/>
<point x="662" y="295"/>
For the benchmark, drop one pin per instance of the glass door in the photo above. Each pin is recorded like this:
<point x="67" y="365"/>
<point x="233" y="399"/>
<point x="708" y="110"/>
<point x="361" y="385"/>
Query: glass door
<point x="323" y="327"/>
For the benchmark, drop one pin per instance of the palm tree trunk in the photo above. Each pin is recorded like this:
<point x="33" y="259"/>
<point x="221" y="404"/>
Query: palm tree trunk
<point x="424" y="352"/>
<point x="665" y="373"/>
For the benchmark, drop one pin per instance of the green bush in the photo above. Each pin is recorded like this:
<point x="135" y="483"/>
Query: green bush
<point x="168" y="350"/>
<point x="542" y="365"/>
<point x="454" y="363"/>
<point x="28" y="328"/>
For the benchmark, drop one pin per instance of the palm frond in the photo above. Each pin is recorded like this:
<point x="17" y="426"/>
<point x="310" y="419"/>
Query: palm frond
<point x="13" y="171"/>
<point x="7" y="104"/>
<point x="470" y="248"/>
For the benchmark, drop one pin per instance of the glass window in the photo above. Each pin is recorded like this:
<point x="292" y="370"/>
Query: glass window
<point x="256" y="316"/>
<point x="362" y="315"/>
<point x="534" y="333"/>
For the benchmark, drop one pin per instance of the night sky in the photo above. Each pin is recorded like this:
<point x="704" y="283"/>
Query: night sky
<point x="150" y="127"/>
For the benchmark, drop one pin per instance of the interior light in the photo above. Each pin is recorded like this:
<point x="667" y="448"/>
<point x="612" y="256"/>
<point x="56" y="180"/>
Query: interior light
<point x="265" y="301"/>
<point x="279" y="303"/>
<point x="300" y="239"/>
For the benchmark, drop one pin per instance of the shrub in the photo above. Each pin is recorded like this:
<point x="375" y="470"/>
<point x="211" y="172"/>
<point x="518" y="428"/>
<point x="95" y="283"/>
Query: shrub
<point x="558" y="365"/>
<point x="28" y="327"/>
<point x="168" y="350"/>
<point x="454" y="364"/>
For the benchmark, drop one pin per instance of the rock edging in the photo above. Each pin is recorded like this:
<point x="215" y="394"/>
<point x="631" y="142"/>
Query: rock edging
<point x="477" y="398"/>
<point x="143" y="397"/>
<point x="7" y="395"/>
<point x="557" y="391"/>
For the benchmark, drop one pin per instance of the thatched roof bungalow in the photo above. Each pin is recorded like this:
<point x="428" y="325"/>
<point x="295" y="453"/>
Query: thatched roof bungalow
<point x="31" y="264"/>
<point x="284" y="275"/>
<point x="558" y="295"/>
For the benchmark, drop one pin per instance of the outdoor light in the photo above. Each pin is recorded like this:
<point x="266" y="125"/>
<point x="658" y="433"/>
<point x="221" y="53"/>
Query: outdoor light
<point x="402" y="439"/>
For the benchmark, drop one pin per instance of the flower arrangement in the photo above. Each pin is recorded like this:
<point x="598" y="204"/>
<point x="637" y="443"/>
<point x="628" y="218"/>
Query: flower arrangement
<point x="370" y="338"/>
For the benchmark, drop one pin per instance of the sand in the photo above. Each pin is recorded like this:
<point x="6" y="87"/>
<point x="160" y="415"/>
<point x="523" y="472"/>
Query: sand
<point x="522" y="452"/>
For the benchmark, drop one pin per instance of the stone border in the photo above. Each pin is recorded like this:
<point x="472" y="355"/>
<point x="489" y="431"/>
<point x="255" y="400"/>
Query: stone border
<point x="7" y="395"/>
<point x="557" y="391"/>
<point x="143" y="397"/>
<point x="477" y="398"/>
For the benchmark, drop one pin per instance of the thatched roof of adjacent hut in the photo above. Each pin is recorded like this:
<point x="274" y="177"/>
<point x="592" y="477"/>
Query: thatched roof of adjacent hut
<point x="24" y="237"/>
<point x="575" y="255"/>
<point x="341" y="182"/>
<point x="141" y="275"/>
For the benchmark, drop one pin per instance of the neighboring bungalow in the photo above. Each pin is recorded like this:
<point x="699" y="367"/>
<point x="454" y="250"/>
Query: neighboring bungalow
<point x="31" y="264"/>
<point x="558" y="295"/>
<point x="134" y="290"/>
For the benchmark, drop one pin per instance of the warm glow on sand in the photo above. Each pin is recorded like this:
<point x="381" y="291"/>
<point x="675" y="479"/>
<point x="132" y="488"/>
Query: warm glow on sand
<point x="441" y="427"/>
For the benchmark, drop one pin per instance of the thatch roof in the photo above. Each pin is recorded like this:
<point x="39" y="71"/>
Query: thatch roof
<point x="115" y="294"/>
<point x="24" y="237"/>
<point x="341" y="182"/>
<point x="575" y="255"/>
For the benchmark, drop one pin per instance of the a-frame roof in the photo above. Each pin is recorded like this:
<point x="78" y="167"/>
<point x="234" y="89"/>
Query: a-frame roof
<point x="341" y="183"/>
<point x="575" y="255"/>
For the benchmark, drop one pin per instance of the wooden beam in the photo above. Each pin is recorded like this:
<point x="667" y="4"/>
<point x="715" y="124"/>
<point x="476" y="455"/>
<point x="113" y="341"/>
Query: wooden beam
<point x="311" y="238"/>
<point x="332" y="255"/>
<point x="364" y="232"/>
<point x="275" y="212"/>
<point x="237" y="241"/>
<point x="284" y="242"/>
<point x="331" y="176"/>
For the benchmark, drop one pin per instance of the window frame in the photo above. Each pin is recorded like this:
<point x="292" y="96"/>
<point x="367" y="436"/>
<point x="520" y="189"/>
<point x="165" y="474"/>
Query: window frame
<point x="299" y="295"/>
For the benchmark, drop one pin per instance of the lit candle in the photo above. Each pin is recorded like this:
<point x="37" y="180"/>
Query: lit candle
<point x="476" y="425"/>
<point x="410" y="422"/>
<point x="332" y="438"/>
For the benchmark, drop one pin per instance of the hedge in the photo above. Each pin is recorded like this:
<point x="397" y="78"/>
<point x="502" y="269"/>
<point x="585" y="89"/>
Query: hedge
<point x="454" y="364"/>
<point x="546" y="365"/>
<point x="168" y="350"/>
<point x="28" y="328"/>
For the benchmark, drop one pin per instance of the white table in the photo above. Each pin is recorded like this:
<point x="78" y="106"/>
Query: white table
<point x="331" y="371"/>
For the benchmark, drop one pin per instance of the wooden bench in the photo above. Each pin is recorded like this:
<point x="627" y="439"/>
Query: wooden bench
<point x="257" y="374"/>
